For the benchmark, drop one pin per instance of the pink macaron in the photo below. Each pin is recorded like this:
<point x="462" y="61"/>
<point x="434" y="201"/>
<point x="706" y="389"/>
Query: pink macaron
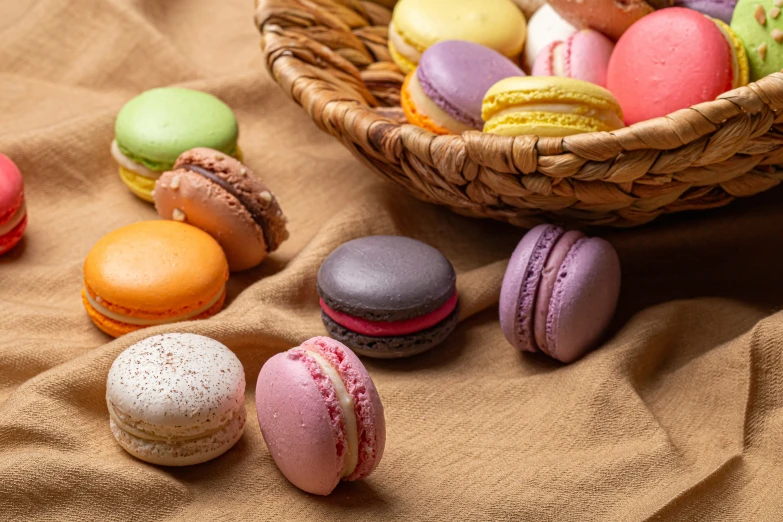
<point x="583" y="56"/>
<point x="669" y="60"/>
<point x="559" y="293"/>
<point x="13" y="213"/>
<point x="320" y="414"/>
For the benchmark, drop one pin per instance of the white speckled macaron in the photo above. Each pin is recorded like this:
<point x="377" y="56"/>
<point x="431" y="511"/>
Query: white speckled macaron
<point x="176" y="399"/>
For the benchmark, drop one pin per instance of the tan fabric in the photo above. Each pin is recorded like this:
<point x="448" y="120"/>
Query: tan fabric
<point x="679" y="416"/>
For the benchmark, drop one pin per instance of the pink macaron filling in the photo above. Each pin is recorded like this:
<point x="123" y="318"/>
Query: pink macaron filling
<point x="391" y="328"/>
<point x="369" y="416"/>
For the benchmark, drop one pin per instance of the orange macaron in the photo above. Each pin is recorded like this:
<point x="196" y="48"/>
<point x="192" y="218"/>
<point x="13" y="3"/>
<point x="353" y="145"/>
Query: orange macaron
<point x="153" y="273"/>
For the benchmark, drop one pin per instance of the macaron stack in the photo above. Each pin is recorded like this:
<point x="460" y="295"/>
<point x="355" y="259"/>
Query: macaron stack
<point x="596" y="65"/>
<point x="158" y="125"/>
<point x="219" y="215"/>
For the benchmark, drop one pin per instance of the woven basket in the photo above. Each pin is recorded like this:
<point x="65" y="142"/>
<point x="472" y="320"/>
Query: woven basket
<point x="331" y="57"/>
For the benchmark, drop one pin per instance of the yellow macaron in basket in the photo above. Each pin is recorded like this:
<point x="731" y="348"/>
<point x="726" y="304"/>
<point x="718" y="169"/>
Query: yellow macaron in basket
<point x="585" y="113"/>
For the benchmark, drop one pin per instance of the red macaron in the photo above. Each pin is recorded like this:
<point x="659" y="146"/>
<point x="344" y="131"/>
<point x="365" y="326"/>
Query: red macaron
<point x="13" y="213"/>
<point x="670" y="60"/>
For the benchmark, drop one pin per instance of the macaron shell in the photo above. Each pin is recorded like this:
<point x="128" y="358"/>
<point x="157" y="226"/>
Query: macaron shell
<point x="207" y="206"/>
<point x="117" y="328"/>
<point x="740" y="63"/>
<point x="652" y="71"/>
<point x="157" y="267"/>
<point x="11" y="188"/>
<point x="544" y="28"/>
<point x="154" y="380"/>
<point x="497" y="24"/>
<point x="393" y="347"/>
<point x="756" y="36"/>
<point x="296" y="425"/>
<point x="140" y="186"/>
<point x="456" y="75"/>
<point x="12" y="238"/>
<point x="610" y="17"/>
<point x="182" y="453"/>
<point x="386" y="278"/>
<point x="520" y="284"/>
<point x="584" y="299"/>
<point x="160" y="124"/>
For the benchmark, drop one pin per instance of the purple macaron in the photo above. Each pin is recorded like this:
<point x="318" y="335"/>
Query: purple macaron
<point x="720" y="9"/>
<point x="559" y="293"/>
<point x="456" y="75"/>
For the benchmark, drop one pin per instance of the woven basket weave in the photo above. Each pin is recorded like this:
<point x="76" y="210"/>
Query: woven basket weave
<point x="331" y="57"/>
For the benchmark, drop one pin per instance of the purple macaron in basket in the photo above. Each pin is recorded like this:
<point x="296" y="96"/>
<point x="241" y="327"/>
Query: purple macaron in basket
<point x="445" y="92"/>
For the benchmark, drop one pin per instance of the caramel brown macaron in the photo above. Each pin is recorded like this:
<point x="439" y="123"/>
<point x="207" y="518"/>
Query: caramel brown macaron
<point x="221" y="196"/>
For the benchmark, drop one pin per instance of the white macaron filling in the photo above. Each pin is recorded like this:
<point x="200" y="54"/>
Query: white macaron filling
<point x="146" y="431"/>
<point x="137" y="321"/>
<point x="558" y="60"/>
<point x="429" y="108"/>
<point x="405" y="49"/>
<point x="130" y="165"/>
<point x="17" y="218"/>
<point x="347" y="406"/>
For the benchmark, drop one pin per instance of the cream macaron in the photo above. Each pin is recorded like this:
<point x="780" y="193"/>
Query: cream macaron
<point x="176" y="399"/>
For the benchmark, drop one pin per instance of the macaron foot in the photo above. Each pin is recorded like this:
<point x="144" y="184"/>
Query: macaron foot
<point x="393" y="347"/>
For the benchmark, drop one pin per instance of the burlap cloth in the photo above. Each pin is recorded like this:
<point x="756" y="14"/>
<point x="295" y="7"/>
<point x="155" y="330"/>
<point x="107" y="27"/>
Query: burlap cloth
<point x="679" y="415"/>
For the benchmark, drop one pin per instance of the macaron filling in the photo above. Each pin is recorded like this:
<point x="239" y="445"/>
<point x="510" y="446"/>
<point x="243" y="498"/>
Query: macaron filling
<point x="429" y="108"/>
<point x="555" y="64"/>
<point x="258" y="218"/>
<point x="371" y="436"/>
<point x="391" y="328"/>
<point x="16" y="218"/>
<point x="402" y="46"/>
<point x="421" y="82"/>
<point x="95" y="303"/>
<point x="347" y="406"/>
<point x="130" y="165"/>
<point x="146" y="431"/>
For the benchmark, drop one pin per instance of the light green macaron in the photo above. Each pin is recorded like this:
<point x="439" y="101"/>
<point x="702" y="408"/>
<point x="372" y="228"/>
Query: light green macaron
<point x="155" y="127"/>
<point x="759" y="24"/>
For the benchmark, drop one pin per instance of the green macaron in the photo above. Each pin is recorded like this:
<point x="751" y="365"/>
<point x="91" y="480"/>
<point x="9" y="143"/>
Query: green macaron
<point x="155" y="127"/>
<point x="759" y="24"/>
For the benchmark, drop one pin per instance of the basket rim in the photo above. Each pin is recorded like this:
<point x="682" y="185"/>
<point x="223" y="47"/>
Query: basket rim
<point x="707" y="145"/>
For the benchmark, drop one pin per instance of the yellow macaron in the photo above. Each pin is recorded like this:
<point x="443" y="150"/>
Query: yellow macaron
<point x="549" y="106"/>
<point x="418" y="24"/>
<point x="739" y="59"/>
